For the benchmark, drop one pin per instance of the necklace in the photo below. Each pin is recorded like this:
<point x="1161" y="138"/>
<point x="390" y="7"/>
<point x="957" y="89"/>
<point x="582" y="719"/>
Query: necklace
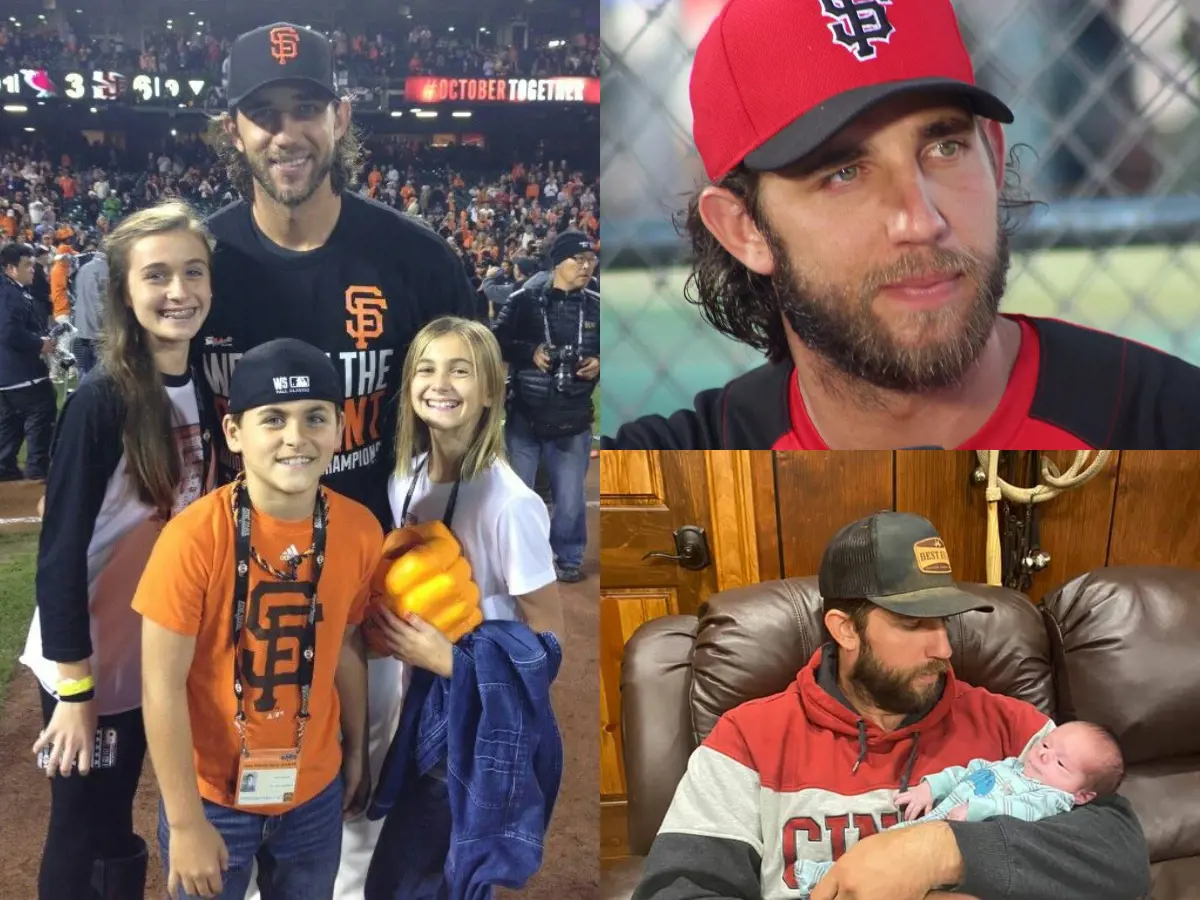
<point x="290" y="556"/>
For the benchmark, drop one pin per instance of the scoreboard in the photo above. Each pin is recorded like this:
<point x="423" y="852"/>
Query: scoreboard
<point x="101" y="86"/>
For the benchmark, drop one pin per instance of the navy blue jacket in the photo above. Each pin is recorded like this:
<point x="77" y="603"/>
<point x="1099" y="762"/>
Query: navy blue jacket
<point x="473" y="772"/>
<point x="22" y="330"/>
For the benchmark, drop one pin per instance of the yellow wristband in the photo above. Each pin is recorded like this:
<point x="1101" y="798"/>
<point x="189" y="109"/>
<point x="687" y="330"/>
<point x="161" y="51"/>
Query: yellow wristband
<point x="69" y="687"/>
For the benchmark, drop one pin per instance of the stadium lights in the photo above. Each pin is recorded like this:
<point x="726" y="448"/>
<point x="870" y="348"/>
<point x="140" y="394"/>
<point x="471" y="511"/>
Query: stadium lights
<point x="429" y="114"/>
<point x="93" y="109"/>
<point x="173" y="132"/>
<point x="199" y="23"/>
<point x="396" y="114"/>
<point x="16" y="108"/>
<point x="461" y="114"/>
<point x="29" y="128"/>
<point x="451" y="28"/>
<point x="554" y="45"/>
<point x="416" y="110"/>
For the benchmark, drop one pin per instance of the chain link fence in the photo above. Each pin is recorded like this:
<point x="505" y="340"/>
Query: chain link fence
<point x="1106" y="95"/>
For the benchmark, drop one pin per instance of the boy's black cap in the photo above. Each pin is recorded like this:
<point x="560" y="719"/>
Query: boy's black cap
<point x="281" y="371"/>
<point x="897" y="561"/>
<point x="279" y="52"/>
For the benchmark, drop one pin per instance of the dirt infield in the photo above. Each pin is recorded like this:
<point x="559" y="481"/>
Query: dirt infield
<point x="571" y="867"/>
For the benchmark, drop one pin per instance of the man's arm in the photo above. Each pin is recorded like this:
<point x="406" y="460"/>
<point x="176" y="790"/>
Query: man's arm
<point x="509" y="333"/>
<point x="710" y="844"/>
<point x="1094" y="852"/>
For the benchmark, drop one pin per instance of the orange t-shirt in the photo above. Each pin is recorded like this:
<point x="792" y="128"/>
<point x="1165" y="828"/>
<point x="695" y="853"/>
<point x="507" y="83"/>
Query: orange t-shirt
<point x="187" y="587"/>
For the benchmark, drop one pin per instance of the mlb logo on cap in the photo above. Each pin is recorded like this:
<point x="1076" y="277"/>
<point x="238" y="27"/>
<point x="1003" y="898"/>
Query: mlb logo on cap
<point x="298" y="383"/>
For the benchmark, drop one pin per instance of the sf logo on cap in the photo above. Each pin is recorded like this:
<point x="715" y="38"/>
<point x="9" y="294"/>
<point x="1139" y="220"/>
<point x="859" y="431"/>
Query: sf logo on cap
<point x="285" y="44"/>
<point x="858" y="23"/>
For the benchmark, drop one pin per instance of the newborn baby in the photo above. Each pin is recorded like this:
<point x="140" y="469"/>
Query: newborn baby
<point x="1070" y="766"/>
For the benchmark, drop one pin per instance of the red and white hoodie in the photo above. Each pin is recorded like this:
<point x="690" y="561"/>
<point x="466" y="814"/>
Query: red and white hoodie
<point x="800" y="775"/>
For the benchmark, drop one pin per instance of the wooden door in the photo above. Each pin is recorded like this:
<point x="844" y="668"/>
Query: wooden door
<point x="645" y="496"/>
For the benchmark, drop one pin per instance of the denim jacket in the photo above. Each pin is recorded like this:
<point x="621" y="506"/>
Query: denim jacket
<point x="490" y="732"/>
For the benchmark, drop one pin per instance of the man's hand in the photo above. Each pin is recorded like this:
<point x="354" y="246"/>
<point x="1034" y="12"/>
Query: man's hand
<point x="541" y="359"/>
<point x="917" y="801"/>
<point x="356" y="769"/>
<point x="198" y="857"/>
<point x="902" y="864"/>
<point x="590" y="370"/>
<point x="48" y="345"/>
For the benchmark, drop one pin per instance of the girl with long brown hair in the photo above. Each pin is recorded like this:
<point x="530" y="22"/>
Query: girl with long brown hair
<point x="130" y="452"/>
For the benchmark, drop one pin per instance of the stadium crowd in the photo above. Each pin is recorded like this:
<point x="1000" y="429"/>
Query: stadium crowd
<point x="181" y="48"/>
<point x="498" y="217"/>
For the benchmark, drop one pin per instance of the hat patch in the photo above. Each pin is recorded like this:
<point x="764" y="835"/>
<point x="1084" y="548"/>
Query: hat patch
<point x="290" y="384"/>
<point x="858" y="24"/>
<point x="285" y="44"/>
<point x="932" y="557"/>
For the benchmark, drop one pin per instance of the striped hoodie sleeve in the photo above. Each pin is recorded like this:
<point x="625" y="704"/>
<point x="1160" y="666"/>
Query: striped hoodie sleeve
<point x="710" y="844"/>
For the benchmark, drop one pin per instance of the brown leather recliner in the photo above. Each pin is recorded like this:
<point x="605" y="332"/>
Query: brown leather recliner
<point x="1120" y="646"/>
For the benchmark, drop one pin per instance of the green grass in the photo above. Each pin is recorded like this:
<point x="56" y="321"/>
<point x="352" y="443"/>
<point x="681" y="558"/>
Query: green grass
<point x="18" y="562"/>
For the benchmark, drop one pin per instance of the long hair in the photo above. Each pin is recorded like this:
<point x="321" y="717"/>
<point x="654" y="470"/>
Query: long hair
<point x="742" y="304"/>
<point x="152" y="459"/>
<point x="412" y="435"/>
<point x="347" y="157"/>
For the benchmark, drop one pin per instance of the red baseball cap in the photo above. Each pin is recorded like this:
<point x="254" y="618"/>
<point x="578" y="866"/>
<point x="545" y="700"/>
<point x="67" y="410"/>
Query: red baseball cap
<point x="774" y="79"/>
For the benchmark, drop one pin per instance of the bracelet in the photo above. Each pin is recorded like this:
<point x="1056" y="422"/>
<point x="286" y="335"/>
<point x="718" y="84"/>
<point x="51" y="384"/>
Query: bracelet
<point x="82" y="697"/>
<point x="69" y="687"/>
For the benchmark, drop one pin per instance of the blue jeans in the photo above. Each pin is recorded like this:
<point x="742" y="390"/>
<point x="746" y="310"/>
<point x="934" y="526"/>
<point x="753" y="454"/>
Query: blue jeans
<point x="298" y="852"/>
<point x="567" y="465"/>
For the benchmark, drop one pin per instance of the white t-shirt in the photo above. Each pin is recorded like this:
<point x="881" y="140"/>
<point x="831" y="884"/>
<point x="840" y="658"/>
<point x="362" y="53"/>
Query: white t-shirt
<point x="122" y="537"/>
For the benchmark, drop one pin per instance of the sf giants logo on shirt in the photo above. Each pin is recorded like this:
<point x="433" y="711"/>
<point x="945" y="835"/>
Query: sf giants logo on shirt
<point x="285" y="44"/>
<point x="277" y="622"/>
<point x="365" y="306"/>
<point x="827" y="830"/>
<point x="858" y="24"/>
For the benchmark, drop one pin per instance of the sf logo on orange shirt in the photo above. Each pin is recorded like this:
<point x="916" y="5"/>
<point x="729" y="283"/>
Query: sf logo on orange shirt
<point x="365" y="305"/>
<point x="285" y="44"/>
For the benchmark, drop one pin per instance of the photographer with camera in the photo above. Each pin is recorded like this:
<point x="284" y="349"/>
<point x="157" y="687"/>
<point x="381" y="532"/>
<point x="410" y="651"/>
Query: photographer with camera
<point x="28" y="404"/>
<point x="549" y="331"/>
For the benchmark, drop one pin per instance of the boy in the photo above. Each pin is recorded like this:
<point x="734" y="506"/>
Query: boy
<point x="245" y="744"/>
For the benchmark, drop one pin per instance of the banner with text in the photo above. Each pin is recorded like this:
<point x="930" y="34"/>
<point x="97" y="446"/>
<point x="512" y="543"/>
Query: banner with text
<point x="431" y="89"/>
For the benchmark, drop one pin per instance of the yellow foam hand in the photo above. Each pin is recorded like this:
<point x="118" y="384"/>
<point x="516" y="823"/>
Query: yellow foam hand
<point x="424" y="572"/>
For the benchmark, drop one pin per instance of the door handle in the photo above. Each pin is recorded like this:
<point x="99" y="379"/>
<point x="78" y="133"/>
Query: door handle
<point x="691" y="549"/>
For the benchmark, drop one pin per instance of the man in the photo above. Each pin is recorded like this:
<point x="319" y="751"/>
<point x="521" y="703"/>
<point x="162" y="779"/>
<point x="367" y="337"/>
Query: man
<point x="876" y="709"/>
<point x="303" y="256"/>
<point x="91" y="282"/>
<point x="549" y="331"/>
<point x="43" y="259"/>
<point x="28" y="404"/>
<point x="498" y="287"/>
<point x="853" y="232"/>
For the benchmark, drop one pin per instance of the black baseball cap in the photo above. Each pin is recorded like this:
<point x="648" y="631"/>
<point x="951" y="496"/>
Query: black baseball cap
<point x="279" y="52"/>
<point x="897" y="561"/>
<point x="568" y="244"/>
<point x="281" y="371"/>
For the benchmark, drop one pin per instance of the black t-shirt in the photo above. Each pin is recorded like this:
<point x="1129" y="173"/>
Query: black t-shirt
<point x="361" y="298"/>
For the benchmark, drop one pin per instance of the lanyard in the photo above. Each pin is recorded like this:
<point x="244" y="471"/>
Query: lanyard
<point x="546" y="324"/>
<point x="241" y="589"/>
<point x="448" y="515"/>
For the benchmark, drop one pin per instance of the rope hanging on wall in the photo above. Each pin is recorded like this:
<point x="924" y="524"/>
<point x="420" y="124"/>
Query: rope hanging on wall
<point x="1054" y="483"/>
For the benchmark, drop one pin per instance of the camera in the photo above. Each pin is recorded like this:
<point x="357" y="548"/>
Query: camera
<point x="564" y="360"/>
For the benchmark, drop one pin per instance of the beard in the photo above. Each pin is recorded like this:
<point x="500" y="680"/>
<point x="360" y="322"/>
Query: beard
<point x="260" y="169"/>
<point x="841" y="325"/>
<point x="894" y="690"/>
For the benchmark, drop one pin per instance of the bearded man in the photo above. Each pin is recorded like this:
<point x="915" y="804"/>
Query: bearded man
<point x="855" y="230"/>
<point x="812" y="773"/>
